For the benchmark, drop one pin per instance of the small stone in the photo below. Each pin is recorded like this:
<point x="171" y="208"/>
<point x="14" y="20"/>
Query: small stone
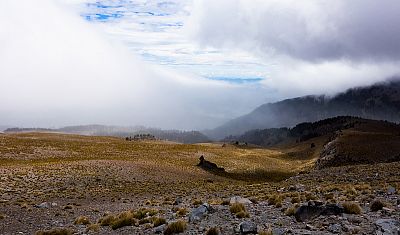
<point x="310" y="227"/>
<point x="159" y="229"/>
<point x="178" y="201"/>
<point x="278" y="231"/>
<point x="335" y="228"/>
<point x="248" y="227"/>
<point x="391" y="190"/>
<point x="238" y="199"/>
<point x="43" y="205"/>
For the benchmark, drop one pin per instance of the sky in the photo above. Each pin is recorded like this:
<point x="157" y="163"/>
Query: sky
<point x="184" y="64"/>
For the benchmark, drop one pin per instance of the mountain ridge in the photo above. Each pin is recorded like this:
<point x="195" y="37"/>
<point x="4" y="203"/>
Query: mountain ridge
<point x="380" y="101"/>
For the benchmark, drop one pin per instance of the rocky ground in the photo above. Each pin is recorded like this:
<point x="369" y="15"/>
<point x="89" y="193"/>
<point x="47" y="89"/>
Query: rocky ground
<point x="106" y="192"/>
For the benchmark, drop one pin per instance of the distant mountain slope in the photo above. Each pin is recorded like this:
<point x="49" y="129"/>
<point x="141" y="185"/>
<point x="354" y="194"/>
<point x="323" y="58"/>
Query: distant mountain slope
<point x="301" y="132"/>
<point x="380" y="101"/>
<point x="120" y="131"/>
<point x="345" y="140"/>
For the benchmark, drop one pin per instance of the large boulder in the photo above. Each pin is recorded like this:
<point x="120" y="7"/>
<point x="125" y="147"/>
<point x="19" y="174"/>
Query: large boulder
<point x="387" y="227"/>
<point x="248" y="227"/>
<point x="314" y="209"/>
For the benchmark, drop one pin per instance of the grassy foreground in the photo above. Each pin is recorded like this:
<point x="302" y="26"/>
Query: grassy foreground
<point x="96" y="176"/>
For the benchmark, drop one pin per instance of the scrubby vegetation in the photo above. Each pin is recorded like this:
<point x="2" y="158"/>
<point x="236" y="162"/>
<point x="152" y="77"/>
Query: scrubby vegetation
<point x="176" y="227"/>
<point x="55" y="231"/>
<point x="352" y="208"/>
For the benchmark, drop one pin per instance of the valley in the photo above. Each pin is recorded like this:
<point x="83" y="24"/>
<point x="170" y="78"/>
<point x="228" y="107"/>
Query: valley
<point x="51" y="182"/>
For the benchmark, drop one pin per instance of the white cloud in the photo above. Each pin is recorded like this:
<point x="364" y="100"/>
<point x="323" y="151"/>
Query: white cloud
<point x="56" y="69"/>
<point x="312" y="46"/>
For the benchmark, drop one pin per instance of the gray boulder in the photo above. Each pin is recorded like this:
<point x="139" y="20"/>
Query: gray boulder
<point x="387" y="227"/>
<point x="199" y="213"/>
<point x="248" y="227"/>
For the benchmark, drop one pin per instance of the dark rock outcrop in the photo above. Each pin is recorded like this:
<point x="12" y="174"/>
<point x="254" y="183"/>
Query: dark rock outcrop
<point x="314" y="209"/>
<point x="209" y="166"/>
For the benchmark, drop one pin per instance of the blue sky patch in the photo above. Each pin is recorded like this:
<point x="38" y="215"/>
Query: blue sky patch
<point x="237" y="80"/>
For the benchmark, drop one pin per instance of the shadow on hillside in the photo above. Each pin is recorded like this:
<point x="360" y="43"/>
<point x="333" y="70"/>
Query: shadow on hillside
<point x="255" y="176"/>
<point x="258" y="176"/>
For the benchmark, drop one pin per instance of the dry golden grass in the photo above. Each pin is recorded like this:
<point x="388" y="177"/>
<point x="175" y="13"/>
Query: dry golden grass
<point x="213" y="231"/>
<point x="352" y="208"/>
<point x="82" y="220"/>
<point x="55" y="231"/>
<point x="176" y="227"/>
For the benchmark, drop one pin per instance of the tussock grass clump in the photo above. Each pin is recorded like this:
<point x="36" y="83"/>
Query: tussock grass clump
<point x="265" y="232"/>
<point x="182" y="212"/>
<point x="126" y="218"/>
<point x="295" y="200"/>
<point x="310" y="196"/>
<point x="377" y="205"/>
<point x="144" y="212"/>
<point x="82" y="220"/>
<point x="197" y="202"/>
<point x="242" y="214"/>
<point x="157" y="221"/>
<point x="275" y="200"/>
<point x="176" y="227"/>
<point x="225" y="202"/>
<point x="329" y="196"/>
<point x="291" y="210"/>
<point x="351" y="208"/>
<point x="239" y="210"/>
<point x="213" y="231"/>
<point x="107" y="220"/>
<point x="93" y="228"/>
<point x="148" y="220"/>
<point x="237" y="207"/>
<point x="56" y="231"/>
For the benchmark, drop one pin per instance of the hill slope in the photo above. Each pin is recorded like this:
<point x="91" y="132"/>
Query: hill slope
<point x="380" y="101"/>
<point x="337" y="141"/>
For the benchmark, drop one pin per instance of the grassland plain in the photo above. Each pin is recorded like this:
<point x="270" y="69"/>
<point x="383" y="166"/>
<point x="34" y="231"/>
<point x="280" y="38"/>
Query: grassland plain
<point x="111" y="186"/>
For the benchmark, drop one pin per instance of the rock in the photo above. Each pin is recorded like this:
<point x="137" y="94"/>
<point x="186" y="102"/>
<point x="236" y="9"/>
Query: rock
<point x="297" y="187"/>
<point x="391" y="190"/>
<point x="278" y="231"/>
<point x="199" y="213"/>
<point x="159" y="229"/>
<point x="43" y="205"/>
<point x="238" y="199"/>
<point x="248" y="227"/>
<point x="54" y="204"/>
<point x="315" y="209"/>
<point x="335" y="228"/>
<point x="310" y="227"/>
<point x="209" y="166"/>
<point x="178" y="201"/>
<point x="387" y="227"/>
